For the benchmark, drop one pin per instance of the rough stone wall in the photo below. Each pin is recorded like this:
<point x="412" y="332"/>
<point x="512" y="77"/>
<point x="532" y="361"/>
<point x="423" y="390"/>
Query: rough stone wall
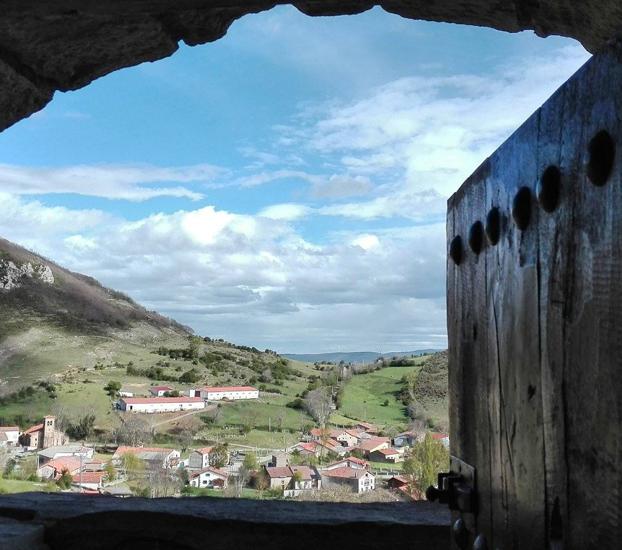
<point x="66" y="44"/>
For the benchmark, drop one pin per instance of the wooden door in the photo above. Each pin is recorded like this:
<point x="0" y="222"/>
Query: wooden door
<point x="534" y="297"/>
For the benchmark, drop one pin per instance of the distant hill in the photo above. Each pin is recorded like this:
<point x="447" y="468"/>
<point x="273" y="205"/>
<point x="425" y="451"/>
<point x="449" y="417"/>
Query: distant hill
<point x="34" y="289"/>
<point x="52" y="318"/>
<point x="353" y="356"/>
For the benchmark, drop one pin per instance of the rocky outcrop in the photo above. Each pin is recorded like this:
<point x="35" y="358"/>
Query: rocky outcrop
<point x="64" y="45"/>
<point x="12" y="275"/>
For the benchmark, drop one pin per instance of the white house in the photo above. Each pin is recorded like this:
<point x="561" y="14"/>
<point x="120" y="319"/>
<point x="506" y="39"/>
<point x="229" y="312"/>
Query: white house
<point x="124" y="392"/>
<point x="159" y="391"/>
<point x="230" y="393"/>
<point x="209" y="478"/>
<point x="89" y="480"/>
<point x="9" y="435"/>
<point x="160" y="404"/>
<point x="358" y="479"/>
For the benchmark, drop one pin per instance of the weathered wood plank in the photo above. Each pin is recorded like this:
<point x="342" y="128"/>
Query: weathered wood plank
<point x="551" y="312"/>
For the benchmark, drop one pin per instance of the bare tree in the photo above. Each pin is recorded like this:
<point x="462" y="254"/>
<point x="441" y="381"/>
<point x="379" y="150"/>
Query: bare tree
<point x="133" y="431"/>
<point x="319" y="405"/>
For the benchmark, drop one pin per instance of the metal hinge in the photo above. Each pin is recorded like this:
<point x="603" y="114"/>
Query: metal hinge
<point x="456" y="488"/>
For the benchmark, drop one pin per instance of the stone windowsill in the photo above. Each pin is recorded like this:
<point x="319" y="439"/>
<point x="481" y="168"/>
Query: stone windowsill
<point x="73" y="521"/>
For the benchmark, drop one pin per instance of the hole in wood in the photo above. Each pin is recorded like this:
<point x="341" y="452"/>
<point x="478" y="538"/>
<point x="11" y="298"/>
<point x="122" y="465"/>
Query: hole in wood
<point x="493" y="226"/>
<point x="521" y="208"/>
<point x="455" y="250"/>
<point x="602" y="151"/>
<point x="476" y="237"/>
<point x="549" y="188"/>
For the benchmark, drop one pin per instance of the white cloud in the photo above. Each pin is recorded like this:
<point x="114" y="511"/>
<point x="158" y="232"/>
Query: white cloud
<point x="430" y="132"/>
<point x="286" y="212"/>
<point x="366" y="241"/>
<point x="129" y="182"/>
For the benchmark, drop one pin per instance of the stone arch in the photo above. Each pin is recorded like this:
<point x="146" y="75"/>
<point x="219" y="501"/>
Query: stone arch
<point x="65" y="45"/>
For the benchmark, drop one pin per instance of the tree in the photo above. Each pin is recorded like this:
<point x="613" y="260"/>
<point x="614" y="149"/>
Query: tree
<point x="65" y="480"/>
<point x="111" y="473"/>
<point x="219" y="455"/>
<point x="190" y="377"/>
<point x="319" y="405"/>
<point x="426" y="459"/>
<point x="112" y="388"/>
<point x="133" y="466"/>
<point x="82" y="428"/>
<point x="134" y="431"/>
<point x="250" y="462"/>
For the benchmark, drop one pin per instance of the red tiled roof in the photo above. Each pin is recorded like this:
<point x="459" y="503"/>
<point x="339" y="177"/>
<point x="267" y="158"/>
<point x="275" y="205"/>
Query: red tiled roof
<point x="219" y="389"/>
<point x="345" y="472"/>
<point x="439" y="436"/>
<point x="309" y="447"/>
<point x="204" y="450"/>
<point x="10" y="428"/>
<point x="305" y="472"/>
<point x="279" y="471"/>
<point x="211" y="469"/>
<point x="401" y="479"/>
<point x="34" y="428"/>
<point x="89" y="477"/>
<point x="388" y="452"/>
<point x="372" y="444"/>
<point x="160" y="388"/>
<point x="153" y="400"/>
<point x="69" y="463"/>
<point x="366" y="425"/>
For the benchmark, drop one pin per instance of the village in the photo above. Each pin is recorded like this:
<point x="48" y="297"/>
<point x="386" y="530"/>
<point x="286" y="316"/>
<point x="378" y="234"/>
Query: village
<point x="327" y="460"/>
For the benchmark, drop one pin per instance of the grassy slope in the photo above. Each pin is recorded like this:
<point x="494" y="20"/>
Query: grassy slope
<point x="365" y="394"/>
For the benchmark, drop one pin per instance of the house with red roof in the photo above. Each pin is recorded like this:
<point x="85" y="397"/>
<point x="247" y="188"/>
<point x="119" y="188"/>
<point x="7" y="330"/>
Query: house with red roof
<point x="293" y="480"/>
<point x="403" y="485"/>
<point x="225" y="393"/>
<point x="367" y="427"/>
<point x="359" y="480"/>
<point x="389" y="455"/>
<point x="346" y="438"/>
<point x="92" y="481"/>
<point x="368" y="446"/>
<point x="55" y="467"/>
<point x="208" y="478"/>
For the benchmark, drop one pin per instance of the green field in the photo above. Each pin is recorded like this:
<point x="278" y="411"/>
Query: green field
<point x="365" y="395"/>
<point x="18" y="486"/>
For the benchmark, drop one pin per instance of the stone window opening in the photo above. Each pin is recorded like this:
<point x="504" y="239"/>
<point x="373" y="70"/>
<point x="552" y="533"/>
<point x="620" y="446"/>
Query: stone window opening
<point x="144" y="31"/>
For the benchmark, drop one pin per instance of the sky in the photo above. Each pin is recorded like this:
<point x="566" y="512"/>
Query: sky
<point x="284" y="187"/>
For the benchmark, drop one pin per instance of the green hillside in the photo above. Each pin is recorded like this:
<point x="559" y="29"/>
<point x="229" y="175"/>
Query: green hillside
<point x="64" y="337"/>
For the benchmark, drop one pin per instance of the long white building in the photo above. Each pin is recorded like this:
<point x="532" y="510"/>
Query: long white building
<point x="220" y="393"/>
<point x="160" y="404"/>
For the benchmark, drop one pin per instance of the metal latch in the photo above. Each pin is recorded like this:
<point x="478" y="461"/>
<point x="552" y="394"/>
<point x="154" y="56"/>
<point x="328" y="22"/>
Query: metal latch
<point x="456" y="488"/>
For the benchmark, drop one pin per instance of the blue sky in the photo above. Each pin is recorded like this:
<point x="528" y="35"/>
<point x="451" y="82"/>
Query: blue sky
<point x="283" y="187"/>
